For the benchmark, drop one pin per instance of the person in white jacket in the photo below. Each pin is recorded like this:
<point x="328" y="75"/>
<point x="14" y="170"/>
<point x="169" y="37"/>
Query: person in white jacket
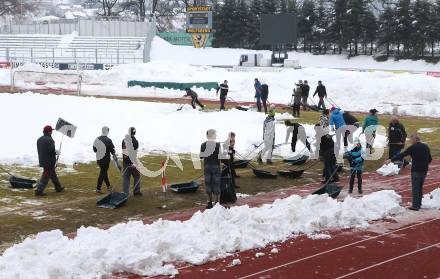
<point x="298" y="132"/>
<point x="268" y="137"/>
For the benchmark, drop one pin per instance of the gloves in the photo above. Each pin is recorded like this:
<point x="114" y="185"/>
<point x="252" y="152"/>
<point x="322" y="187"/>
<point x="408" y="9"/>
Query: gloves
<point x="58" y="152"/>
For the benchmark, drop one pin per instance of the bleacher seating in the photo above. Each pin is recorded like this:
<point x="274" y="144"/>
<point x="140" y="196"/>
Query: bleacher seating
<point x="81" y="49"/>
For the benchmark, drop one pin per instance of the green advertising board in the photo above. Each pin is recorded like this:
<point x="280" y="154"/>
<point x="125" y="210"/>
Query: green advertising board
<point x="181" y="39"/>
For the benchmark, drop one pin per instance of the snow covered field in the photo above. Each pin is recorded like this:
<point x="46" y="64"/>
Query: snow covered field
<point x="159" y="126"/>
<point x="414" y="94"/>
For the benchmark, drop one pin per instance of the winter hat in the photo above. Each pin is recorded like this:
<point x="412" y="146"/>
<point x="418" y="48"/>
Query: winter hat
<point x="105" y="130"/>
<point x="47" y="129"/>
<point x="132" y="131"/>
<point x="271" y="112"/>
<point x="211" y="134"/>
<point x="333" y="108"/>
<point x="374" y="111"/>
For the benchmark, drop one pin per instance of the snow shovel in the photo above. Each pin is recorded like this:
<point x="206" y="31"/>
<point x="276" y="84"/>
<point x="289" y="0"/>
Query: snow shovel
<point x="237" y="105"/>
<point x="330" y="188"/>
<point x="114" y="199"/>
<point x="18" y="182"/>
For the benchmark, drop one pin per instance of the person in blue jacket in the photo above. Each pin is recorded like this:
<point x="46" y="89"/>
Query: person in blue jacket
<point x="337" y="123"/>
<point x="356" y="165"/>
<point x="258" y="91"/>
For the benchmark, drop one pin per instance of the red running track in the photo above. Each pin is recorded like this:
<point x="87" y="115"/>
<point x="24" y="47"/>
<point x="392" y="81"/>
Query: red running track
<point x="405" y="247"/>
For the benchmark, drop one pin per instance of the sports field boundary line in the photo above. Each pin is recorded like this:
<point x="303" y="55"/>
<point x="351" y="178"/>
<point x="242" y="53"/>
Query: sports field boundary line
<point x="338" y="248"/>
<point x="390" y="260"/>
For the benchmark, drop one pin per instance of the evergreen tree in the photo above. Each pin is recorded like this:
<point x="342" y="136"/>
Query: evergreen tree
<point x="321" y="30"/>
<point x="253" y="34"/>
<point x="307" y="20"/>
<point x="421" y="26"/>
<point x="387" y="29"/>
<point x="369" y="31"/>
<point x="404" y="26"/>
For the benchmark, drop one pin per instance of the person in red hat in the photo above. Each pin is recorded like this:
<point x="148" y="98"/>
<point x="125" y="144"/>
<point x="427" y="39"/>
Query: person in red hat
<point x="47" y="157"/>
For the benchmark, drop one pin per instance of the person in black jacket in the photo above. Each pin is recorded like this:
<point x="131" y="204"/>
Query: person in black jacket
<point x="47" y="157"/>
<point x="194" y="98"/>
<point x="103" y="147"/>
<point x="396" y="137"/>
<point x="223" y="88"/>
<point x="322" y="93"/>
<point x="421" y="158"/>
<point x="264" y="96"/>
<point x="305" y="95"/>
<point x="352" y="124"/>
<point x="327" y="152"/>
<point x="130" y="146"/>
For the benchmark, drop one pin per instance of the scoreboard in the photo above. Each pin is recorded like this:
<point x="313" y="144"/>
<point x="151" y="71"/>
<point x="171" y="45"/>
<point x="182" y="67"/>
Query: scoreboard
<point x="199" y="19"/>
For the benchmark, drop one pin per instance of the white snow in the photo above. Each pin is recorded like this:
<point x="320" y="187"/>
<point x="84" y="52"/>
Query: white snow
<point x="389" y="170"/>
<point x="164" y="51"/>
<point x="151" y="249"/>
<point x="426" y="130"/>
<point x="235" y="262"/>
<point x="159" y="126"/>
<point x="259" y="254"/>
<point x="274" y="251"/>
<point x="432" y="200"/>
<point x="411" y="94"/>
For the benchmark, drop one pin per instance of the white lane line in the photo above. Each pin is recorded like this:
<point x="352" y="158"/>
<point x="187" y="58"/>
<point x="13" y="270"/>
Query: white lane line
<point x="390" y="260"/>
<point x="336" y="249"/>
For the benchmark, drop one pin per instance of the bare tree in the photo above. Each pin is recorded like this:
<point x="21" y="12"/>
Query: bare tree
<point x="107" y="7"/>
<point x="16" y="7"/>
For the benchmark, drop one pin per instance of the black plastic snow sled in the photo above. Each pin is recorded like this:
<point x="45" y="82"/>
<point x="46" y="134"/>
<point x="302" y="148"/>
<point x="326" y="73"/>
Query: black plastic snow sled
<point x="263" y="174"/>
<point x="17" y="182"/>
<point x="241" y="164"/>
<point x="112" y="200"/>
<point x="332" y="189"/>
<point x="187" y="187"/>
<point x="296" y="161"/>
<point x="291" y="173"/>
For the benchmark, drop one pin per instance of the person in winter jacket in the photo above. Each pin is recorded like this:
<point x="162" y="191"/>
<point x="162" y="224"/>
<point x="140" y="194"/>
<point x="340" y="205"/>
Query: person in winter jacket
<point x="296" y="100"/>
<point x="321" y="129"/>
<point x="268" y="137"/>
<point x="322" y="93"/>
<point x="327" y="152"/>
<point x="130" y="147"/>
<point x="210" y="153"/>
<point x="223" y="88"/>
<point x="421" y="158"/>
<point x="47" y="157"/>
<point x="298" y="132"/>
<point x="337" y="123"/>
<point x="229" y="147"/>
<point x="258" y="91"/>
<point x="103" y="147"/>
<point x="356" y="165"/>
<point x="264" y="96"/>
<point x="352" y="124"/>
<point x="396" y="137"/>
<point x="194" y="98"/>
<point x="305" y="95"/>
<point x="370" y="127"/>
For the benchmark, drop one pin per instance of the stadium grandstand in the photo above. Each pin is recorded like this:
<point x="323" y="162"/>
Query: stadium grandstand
<point x="82" y="41"/>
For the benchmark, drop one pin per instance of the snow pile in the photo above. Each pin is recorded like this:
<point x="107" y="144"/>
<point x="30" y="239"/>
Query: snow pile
<point x="164" y="51"/>
<point x="389" y="170"/>
<point x="235" y="262"/>
<point x="432" y="200"/>
<point x="426" y="130"/>
<point x="150" y="249"/>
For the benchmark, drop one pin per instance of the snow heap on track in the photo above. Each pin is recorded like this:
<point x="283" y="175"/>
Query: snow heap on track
<point x="151" y="249"/>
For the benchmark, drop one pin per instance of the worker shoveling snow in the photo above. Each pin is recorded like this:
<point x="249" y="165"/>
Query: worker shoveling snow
<point x="151" y="249"/>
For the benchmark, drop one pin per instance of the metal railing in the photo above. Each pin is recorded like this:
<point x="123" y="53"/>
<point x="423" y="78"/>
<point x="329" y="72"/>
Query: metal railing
<point x="72" y="55"/>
